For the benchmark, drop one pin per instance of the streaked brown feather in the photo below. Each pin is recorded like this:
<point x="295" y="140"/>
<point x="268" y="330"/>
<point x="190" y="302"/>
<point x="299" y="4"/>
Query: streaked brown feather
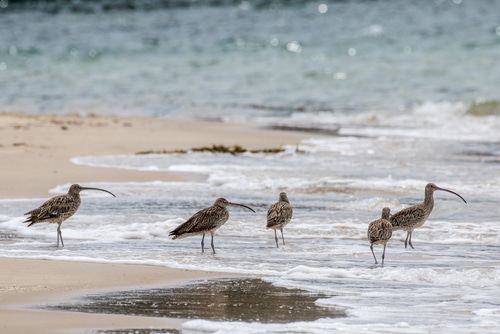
<point x="206" y="221"/>
<point x="410" y="218"/>
<point x="380" y="230"/>
<point x="59" y="208"/>
<point x="203" y="221"/>
<point x="54" y="210"/>
<point x="415" y="216"/>
<point x="279" y="213"/>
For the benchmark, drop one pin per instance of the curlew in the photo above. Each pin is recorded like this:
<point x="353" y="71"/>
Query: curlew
<point x="205" y="221"/>
<point x="278" y="215"/>
<point x="415" y="216"/>
<point x="59" y="208"/>
<point x="380" y="231"/>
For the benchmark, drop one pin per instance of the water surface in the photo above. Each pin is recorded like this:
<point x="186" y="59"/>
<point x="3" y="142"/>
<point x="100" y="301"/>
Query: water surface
<point x="235" y="59"/>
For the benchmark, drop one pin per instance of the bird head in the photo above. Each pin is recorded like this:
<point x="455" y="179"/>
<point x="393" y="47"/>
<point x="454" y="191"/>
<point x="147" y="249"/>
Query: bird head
<point x="431" y="188"/>
<point x="76" y="188"/>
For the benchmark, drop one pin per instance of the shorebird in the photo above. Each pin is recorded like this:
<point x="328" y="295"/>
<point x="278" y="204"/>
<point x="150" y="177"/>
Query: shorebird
<point x="59" y="208"/>
<point x="415" y="216"/>
<point x="205" y="221"/>
<point x="278" y="215"/>
<point x="380" y="231"/>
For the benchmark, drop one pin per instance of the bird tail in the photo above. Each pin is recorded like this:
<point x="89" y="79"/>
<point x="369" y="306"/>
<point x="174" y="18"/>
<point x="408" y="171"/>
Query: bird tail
<point x="180" y="234"/>
<point x="176" y="234"/>
<point x="31" y="220"/>
<point x="33" y="217"/>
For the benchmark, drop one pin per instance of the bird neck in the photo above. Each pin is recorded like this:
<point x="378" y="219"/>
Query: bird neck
<point x="429" y="201"/>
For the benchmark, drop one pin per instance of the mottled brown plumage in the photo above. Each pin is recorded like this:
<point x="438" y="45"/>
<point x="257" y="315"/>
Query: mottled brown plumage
<point x="415" y="216"/>
<point x="59" y="208"/>
<point x="380" y="231"/>
<point x="279" y="215"/>
<point x="205" y="221"/>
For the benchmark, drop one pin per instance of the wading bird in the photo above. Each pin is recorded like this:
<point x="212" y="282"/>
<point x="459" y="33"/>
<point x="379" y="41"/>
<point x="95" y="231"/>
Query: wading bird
<point x="205" y="221"/>
<point x="415" y="216"/>
<point x="59" y="208"/>
<point x="380" y="231"/>
<point x="278" y="215"/>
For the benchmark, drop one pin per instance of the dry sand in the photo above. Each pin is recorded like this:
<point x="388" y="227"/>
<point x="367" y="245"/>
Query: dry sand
<point x="35" y="153"/>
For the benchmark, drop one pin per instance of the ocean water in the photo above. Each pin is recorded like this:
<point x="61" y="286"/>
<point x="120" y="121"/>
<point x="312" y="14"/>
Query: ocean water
<point x="235" y="59"/>
<point x="407" y="92"/>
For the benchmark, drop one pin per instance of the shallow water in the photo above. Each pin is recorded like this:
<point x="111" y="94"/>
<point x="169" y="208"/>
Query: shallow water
<point x="336" y="185"/>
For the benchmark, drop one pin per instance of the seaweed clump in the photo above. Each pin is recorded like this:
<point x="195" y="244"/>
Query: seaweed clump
<point x="486" y="108"/>
<point x="234" y="150"/>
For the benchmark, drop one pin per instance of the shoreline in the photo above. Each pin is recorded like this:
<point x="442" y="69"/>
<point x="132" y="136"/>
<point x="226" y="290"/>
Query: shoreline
<point x="28" y="284"/>
<point x="35" y="150"/>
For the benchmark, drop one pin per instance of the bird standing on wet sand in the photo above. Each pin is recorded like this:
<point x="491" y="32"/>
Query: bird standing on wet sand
<point x="380" y="231"/>
<point x="415" y="216"/>
<point x="205" y="221"/>
<point x="59" y="208"/>
<point x="278" y="215"/>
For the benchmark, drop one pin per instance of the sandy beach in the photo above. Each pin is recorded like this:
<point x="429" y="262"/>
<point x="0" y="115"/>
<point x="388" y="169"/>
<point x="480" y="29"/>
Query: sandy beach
<point x="35" y="151"/>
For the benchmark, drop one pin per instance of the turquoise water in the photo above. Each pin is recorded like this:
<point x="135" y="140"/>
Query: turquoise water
<point x="237" y="59"/>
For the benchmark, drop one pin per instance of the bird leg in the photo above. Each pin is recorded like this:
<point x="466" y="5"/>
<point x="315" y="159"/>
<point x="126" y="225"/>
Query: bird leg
<point x="203" y="243"/>
<point x="213" y="248"/>
<point x="383" y="254"/>
<point x="276" y="238"/>
<point x="406" y="240"/>
<point x="59" y="234"/>
<point x="371" y="247"/>
<point x="409" y="241"/>
<point x="283" y="238"/>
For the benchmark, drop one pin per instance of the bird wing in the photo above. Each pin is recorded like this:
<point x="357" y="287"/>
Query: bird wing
<point x="201" y="221"/>
<point x="379" y="230"/>
<point x="279" y="213"/>
<point x="407" y="217"/>
<point x="54" y="208"/>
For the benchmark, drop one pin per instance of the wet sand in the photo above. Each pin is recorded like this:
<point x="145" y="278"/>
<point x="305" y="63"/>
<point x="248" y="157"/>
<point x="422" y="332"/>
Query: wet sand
<point x="226" y="299"/>
<point x="35" y="151"/>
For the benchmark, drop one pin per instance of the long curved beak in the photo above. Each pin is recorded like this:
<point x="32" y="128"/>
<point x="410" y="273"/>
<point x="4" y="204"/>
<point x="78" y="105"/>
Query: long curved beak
<point x="443" y="189"/>
<point x="90" y="188"/>
<point x="237" y="204"/>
